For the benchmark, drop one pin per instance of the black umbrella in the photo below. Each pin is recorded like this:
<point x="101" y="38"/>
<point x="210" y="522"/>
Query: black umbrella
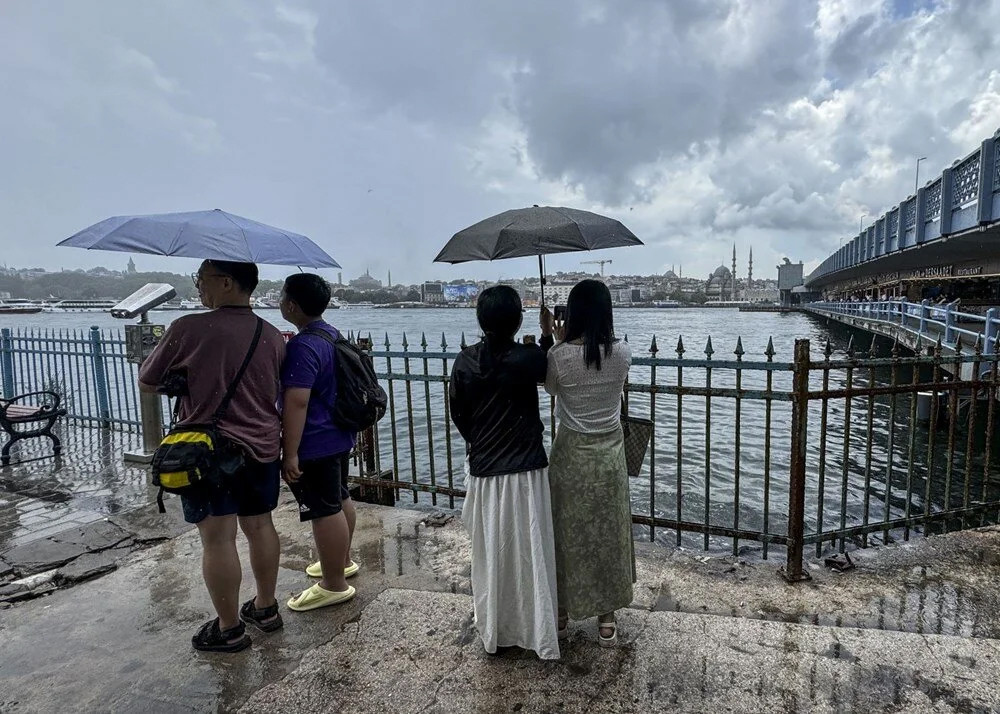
<point x="539" y="230"/>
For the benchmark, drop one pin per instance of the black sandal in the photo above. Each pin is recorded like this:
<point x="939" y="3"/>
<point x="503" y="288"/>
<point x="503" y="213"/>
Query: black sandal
<point x="251" y="614"/>
<point x="212" y="639"/>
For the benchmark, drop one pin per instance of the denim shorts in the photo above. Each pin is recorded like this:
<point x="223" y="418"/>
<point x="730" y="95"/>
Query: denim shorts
<point x="252" y="490"/>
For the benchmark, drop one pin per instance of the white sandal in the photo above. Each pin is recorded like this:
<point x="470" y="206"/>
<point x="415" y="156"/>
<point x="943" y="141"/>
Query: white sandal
<point x="607" y="641"/>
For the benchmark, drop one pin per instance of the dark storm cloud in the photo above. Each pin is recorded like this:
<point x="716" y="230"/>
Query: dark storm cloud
<point x="380" y="128"/>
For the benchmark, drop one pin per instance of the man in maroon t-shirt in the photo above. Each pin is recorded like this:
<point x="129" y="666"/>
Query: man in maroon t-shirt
<point x="206" y="350"/>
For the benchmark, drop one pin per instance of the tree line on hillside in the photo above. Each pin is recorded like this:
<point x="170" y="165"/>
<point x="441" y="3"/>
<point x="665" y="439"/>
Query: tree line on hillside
<point x="71" y="285"/>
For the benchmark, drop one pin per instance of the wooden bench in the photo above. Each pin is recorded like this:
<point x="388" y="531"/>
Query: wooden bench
<point x="28" y="416"/>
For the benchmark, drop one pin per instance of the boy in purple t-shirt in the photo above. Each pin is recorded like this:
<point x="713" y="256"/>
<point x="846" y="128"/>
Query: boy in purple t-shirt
<point x="315" y="450"/>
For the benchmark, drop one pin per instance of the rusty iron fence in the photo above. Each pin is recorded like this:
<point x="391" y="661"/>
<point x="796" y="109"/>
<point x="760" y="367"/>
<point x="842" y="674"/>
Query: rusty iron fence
<point x="826" y="450"/>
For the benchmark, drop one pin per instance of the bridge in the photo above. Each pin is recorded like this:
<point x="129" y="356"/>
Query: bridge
<point x="948" y="231"/>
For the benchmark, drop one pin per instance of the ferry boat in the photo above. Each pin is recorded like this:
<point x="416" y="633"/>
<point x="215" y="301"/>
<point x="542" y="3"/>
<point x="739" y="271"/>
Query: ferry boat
<point x="191" y="305"/>
<point x="19" y="306"/>
<point x="79" y="306"/>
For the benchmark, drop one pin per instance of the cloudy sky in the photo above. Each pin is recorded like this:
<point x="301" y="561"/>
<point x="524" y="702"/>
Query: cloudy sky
<point x="379" y="128"/>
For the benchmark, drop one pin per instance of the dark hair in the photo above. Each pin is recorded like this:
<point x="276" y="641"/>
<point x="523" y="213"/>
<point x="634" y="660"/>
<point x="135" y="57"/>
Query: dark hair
<point x="589" y="317"/>
<point x="309" y="291"/>
<point x="499" y="312"/>
<point x="245" y="275"/>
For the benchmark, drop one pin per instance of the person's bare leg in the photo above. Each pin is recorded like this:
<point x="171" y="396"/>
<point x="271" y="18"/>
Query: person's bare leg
<point x="265" y="552"/>
<point x="220" y="567"/>
<point x="332" y="534"/>
<point x="351" y="514"/>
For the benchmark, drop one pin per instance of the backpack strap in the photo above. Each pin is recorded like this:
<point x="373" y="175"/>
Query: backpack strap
<point x="323" y="334"/>
<point x="231" y="390"/>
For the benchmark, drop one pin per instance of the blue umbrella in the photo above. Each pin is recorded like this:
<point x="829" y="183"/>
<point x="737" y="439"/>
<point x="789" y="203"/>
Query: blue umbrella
<point x="209" y="235"/>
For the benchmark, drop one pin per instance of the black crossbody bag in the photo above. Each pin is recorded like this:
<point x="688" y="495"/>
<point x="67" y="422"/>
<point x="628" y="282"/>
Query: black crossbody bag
<point x="196" y="456"/>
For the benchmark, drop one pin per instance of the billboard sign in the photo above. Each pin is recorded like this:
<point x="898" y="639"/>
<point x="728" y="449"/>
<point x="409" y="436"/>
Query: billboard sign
<point x="460" y="293"/>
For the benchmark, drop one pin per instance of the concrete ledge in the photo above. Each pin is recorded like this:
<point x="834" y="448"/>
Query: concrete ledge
<point x="418" y="652"/>
<point x="913" y="628"/>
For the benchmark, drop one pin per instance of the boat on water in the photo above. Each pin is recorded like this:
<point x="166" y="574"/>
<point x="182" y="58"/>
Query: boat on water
<point x="78" y="306"/>
<point x="16" y="306"/>
<point x="409" y="305"/>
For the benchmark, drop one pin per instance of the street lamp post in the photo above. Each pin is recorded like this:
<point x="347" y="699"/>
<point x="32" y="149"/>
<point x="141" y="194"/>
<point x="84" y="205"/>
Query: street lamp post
<point x="916" y="178"/>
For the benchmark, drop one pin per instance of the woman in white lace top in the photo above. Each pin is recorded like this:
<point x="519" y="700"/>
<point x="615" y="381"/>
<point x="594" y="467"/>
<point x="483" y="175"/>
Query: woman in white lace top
<point x="589" y="487"/>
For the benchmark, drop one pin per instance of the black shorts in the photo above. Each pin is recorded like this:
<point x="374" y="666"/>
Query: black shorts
<point x="251" y="491"/>
<point x="322" y="488"/>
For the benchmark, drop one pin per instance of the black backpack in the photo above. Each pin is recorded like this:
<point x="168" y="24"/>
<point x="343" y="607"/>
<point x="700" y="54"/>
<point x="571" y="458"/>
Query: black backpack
<point x="361" y="401"/>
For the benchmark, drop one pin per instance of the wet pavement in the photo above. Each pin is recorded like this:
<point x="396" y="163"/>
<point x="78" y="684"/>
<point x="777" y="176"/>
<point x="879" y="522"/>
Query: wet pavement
<point x="913" y="628"/>
<point x="41" y="495"/>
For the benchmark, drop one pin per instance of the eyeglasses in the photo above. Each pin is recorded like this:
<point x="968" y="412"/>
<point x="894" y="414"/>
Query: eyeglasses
<point x="198" y="278"/>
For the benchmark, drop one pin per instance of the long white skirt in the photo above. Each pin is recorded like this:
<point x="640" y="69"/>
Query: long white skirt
<point x="509" y="519"/>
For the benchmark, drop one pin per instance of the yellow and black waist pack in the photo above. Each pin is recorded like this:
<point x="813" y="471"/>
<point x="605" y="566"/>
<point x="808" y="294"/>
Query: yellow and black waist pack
<point x="190" y="456"/>
<point x="186" y="460"/>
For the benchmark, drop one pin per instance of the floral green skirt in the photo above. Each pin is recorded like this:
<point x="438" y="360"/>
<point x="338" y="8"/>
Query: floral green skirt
<point x="591" y="515"/>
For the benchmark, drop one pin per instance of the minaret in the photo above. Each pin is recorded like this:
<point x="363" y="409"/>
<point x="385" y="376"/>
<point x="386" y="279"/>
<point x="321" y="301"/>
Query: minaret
<point x="750" y="270"/>
<point x="732" y="291"/>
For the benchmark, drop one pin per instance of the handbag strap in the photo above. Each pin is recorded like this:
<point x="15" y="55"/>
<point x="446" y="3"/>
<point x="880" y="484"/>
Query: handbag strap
<point x="624" y="417"/>
<point x="231" y="390"/>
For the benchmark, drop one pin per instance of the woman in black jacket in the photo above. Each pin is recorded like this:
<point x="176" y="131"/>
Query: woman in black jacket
<point x="494" y="403"/>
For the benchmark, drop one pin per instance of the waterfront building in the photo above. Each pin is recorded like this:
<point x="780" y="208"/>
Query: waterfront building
<point x="789" y="278"/>
<point x="366" y="282"/>
<point x="432" y="293"/>
<point x="718" y="287"/>
<point x="557" y="293"/>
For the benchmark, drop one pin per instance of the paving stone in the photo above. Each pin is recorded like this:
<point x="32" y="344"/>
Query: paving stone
<point x="147" y="524"/>
<point x="29" y="587"/>
<point x="97" y="536"/>
<point x="90" y="565"/>
<point x="41" y="555"/>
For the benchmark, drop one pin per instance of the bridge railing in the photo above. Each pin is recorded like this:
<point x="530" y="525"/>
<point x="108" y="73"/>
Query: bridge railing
<point x="928" y="320"/>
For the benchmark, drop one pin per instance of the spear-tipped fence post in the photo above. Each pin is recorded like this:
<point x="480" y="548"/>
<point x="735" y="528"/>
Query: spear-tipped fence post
<point x="793" y="571"/>
<point x="100" y="377"/>
<point x="652" y="438"/>
<point x="7" y="362"/>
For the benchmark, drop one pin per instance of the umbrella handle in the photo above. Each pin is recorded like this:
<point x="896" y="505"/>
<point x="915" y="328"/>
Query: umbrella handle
<point x="541" y="275"/>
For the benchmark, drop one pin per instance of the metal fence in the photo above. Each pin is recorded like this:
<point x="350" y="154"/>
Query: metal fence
<point x="833" y="451"/>
<point x="828" y="449"/>
<point x="86" y="368"/>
